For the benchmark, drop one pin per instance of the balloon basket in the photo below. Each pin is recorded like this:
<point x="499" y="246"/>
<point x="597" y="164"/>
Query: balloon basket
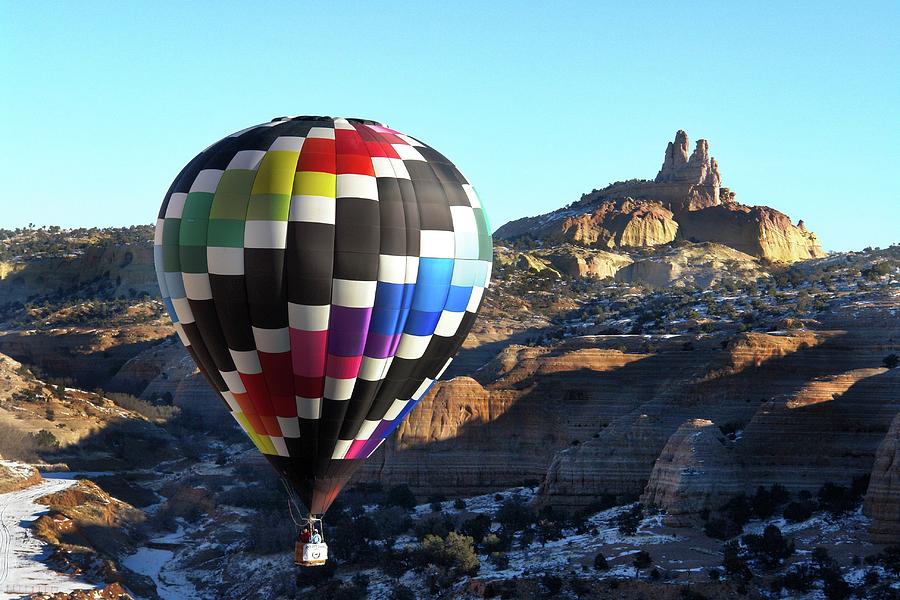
<point x="310" y="555"/>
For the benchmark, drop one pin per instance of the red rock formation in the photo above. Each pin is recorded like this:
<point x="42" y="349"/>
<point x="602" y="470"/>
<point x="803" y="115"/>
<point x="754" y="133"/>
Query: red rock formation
<point x="685" y="201"/>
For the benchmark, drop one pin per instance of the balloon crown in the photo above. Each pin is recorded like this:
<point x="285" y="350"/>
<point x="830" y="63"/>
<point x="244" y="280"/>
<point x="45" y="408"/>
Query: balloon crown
<point x="326" y="118"/>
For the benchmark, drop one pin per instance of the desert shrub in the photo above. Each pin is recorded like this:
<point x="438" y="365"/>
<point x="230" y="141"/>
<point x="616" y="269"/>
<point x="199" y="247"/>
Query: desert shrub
<point x="799" y="578"/>
<point x="254" y="495"/>
<point x="628" y="521"/>
<point x="836" y="499"/>
<point x="187" y="502"/>
<point x="432" y="524"/>
<point x="477" y="527"/>
<point x="402" y="496"/>
<point x="889" y="558"/>
<point x="144" y="408"/>
<point x="515" y="515"/>
<point x="765" y="501"/>
<point x="16" y="444"/>
<point x="392" y="521"/>
<point x="770" y="548"/>
<point x="641" y="560"/>
<point x="548" y="531"/>
<point x="499" y="559"/>
<point x="795" y="512"/>
<point x="497" y="542"/>
<point x="735" y="562"/>
<point x="552" y="583"/>
<point x="738" y="510"/>
<point x="45" y="441"/>
<point x="721" y="529"/>
<point x="269" y="533"/>
<point x="836" y="588"/>
<point x="455" y="552"/>
<point x="401" y="592"/>
<point x="891" y="361"/>
<point x="600" y="562"/>
<point x="459" y="504"/>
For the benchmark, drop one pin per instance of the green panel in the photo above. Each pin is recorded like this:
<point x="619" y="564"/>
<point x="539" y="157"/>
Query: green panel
<point x="232" y="194"/>
<point x="269" y="207"/>
<point x="485" y="251"/>
<point x="197" y="206"/>
<point x="193" y="259"/>
<point x="171" y="260"/>
<point x="171" y="232"/>
<point x="227" y="233"/>
<point x="193" y="232"/>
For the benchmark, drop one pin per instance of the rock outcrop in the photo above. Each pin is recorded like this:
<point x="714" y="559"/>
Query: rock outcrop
<point x="883" y="496"/>
<point x="685" y="201"/>
<point x="694" y="472"/>
<point x="809" y="409"/>
<point x="129" y="267"/>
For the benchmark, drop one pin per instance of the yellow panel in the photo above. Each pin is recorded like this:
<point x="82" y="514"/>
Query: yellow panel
<point x="276" y="173"/>
<point x="309" y="183"/>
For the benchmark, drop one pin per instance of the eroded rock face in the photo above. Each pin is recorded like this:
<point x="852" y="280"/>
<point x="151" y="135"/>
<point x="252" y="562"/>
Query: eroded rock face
<point x="756" y="230"/>
<point x="883" y="496"/>
<point x="131" y="267"/>
<point x="699" y="174"/>
<point x="684" y="202"/>
<point x="809" y="409"/>
<point x="695" y="471"/>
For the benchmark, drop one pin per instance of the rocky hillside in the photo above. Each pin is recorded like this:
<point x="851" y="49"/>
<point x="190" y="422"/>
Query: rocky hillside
<point x="684" y="202"/>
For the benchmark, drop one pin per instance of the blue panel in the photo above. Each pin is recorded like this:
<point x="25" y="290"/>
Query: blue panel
<point x="170" y="308"/>
<point x="387" y="321"/>
<point x="432" y="284"/>
<point x="389" y="295"/>
<point x="422" y="323"/>
<point x="458" y="298"/>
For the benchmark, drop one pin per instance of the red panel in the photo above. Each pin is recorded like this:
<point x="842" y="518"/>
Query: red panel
<point x="309" y="387"/>
<point x="258" y="392"/>
<point x="284" y="405"/>
<point x="376" y="148"/>
<point x="308" y="352"/>
<point x="317" y="155"/>
<point x="256" y="423"/>
<point x="355" y="163"/>
<point x="314" y="161"/>
<point x="271" y="425"/>
<point x="343" y="367"/>
<point x="390" y="138"/>
<point x="277" y="371"/>
<point x="347" y="141"/>
<point x="243" y="401"/>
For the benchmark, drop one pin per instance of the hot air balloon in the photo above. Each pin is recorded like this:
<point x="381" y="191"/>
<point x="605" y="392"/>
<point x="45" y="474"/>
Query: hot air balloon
<point x="322" y="272"/>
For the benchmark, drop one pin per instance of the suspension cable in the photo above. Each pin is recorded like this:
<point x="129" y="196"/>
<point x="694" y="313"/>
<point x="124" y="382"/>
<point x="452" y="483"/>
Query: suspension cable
<point x="290" y="502"/>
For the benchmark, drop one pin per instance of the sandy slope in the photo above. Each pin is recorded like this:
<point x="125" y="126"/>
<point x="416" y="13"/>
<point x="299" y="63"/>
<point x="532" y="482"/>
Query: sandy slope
<point x="22" y="569"/>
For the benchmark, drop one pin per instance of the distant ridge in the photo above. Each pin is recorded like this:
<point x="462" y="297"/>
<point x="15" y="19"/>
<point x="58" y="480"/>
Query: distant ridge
<point x="685" y="201"/>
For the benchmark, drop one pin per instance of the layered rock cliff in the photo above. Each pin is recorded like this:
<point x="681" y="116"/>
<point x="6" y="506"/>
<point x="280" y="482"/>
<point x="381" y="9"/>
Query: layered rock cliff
<point x="883" y="496"/>
<point x="684" y="202"/>
<point x="129" y="268"/>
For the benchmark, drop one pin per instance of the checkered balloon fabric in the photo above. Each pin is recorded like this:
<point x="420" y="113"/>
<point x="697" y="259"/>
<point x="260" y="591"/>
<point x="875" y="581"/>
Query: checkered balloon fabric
<point x="322" y="273"/>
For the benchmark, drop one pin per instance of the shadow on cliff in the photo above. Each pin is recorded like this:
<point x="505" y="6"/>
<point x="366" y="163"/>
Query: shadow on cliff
<point x="89" y="370"/>
<point x="588" y="410"/>
<point x="125" y="445"/>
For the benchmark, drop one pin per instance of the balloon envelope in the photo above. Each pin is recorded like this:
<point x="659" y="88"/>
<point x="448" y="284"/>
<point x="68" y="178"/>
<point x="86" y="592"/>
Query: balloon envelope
<point x="322" y="272"/>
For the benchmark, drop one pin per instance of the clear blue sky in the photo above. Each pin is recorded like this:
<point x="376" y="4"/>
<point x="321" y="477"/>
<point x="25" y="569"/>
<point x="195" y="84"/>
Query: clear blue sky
<point x="103" y="102"/>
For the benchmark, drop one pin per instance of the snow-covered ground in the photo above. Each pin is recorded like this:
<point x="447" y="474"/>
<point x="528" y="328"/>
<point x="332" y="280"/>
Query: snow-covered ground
<point x="23" y="569"/>
<point x="171" y="584"/>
